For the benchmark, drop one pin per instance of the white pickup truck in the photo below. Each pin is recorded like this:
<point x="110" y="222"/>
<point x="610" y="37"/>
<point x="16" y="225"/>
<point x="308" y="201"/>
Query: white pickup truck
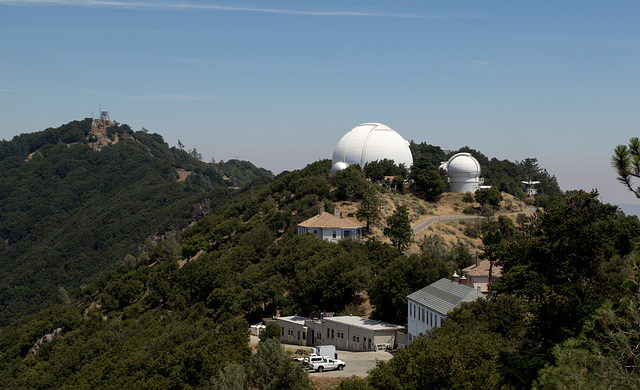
<point x="313" y="358"/>
<point x="327" y="364"/>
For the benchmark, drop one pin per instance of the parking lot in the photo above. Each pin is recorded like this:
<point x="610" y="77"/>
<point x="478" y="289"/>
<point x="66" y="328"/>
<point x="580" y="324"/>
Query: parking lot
<point x="357" y="363"/>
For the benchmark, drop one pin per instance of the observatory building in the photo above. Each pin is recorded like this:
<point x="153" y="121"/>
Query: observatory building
<point x="464" y="173"/>
<point x="369" y="142"/>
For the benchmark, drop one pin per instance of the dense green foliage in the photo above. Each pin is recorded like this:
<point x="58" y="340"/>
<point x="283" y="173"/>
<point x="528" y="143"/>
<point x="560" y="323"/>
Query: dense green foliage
<point x="399" y="229"/>
<point x="171" y="310"/>
<point x="428" y="179"/>
<point x="377" y="170"/>
<point x="626" y="161"/>
<point x="565" y="314"/>
<point x="71" y="213"/>
<point x="250" y="264"/>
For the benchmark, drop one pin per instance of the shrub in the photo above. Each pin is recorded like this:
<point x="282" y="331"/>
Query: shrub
<point x="468" y="198"/>
<point x="470" y="210"/>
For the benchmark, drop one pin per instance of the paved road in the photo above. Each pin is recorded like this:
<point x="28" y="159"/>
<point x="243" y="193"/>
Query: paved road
<point x="421" y="225"/>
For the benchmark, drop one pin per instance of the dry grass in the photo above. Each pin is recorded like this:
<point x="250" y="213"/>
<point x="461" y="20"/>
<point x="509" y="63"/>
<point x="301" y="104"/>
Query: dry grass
<point x="419" y="209"/>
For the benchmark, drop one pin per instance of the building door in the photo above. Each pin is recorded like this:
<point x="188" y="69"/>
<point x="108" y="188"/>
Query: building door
<point x="355" y="343"/>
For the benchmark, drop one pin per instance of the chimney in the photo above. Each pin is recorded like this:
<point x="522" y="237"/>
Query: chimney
<point x="321" y="210"/>
<point x="455" y="276"/>
<point x="336" y="212"/>
<point x="463" y="280"/>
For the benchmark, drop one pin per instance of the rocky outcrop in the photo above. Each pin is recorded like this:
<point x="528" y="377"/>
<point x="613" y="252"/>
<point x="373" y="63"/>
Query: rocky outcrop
<point x="43" y="340"/>
<point x="201" y="209"/>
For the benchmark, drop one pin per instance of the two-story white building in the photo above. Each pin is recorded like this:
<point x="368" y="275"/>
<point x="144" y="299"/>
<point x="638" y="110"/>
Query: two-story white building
<point x="331" y="227"/>
<point x="428" y="306"/>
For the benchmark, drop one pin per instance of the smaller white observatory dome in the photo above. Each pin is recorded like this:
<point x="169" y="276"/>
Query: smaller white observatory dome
<point x="464" y="173"/>
<point x="340" y="165"/>
<point x="369" y="142"/>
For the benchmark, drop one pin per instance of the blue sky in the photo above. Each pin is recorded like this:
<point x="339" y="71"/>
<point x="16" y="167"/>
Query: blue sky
<point x="278" y="83"/>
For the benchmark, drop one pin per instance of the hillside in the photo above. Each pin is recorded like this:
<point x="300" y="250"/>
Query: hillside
<point x="172" y="309"/>
<point x="454" y="233"/>
<point x="175" y="311"/>
<point x="72" y="209"/>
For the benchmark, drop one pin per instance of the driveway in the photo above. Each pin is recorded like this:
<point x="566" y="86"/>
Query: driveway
<point x="357" y="363"/>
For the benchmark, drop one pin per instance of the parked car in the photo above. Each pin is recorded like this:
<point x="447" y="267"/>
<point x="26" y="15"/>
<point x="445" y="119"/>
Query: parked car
<point x="327" y="364"/>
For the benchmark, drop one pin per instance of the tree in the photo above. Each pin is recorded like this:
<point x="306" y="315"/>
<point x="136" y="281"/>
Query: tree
<point x="626" y="161"/>
<point x="271" y="368"/>
<point x="271" y="331"/>
<point x="399" y="229"/>
<point x="489" y="196"/>
<point x="233" y="377"/>
<point x="559" y="266"/>
<point x="606" y="355"/>
<point x="369" y="208"/>
<point x="428" y="178"/>
<point x="350" y="184"/>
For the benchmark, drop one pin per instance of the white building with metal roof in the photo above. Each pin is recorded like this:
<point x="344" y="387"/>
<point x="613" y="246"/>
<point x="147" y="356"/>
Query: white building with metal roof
<point x="428" y="306"/>
<point x="354" y="333"/>
<point x="293" y="330"/>
<point x="349" y="333"/>
<point x="331" y="227"/>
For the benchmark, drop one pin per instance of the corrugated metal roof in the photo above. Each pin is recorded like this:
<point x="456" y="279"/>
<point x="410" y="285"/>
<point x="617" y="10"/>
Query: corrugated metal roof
<point x="444" y="295"/>
<point x="328" y="220"/>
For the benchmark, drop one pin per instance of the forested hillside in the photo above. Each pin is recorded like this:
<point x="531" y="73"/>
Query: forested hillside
<point x="173" y="312"/>
<point x="70" y="213"/>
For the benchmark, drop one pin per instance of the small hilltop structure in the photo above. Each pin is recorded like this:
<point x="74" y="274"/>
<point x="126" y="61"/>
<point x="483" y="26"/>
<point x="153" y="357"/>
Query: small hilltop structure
<point x="105" y="132"/>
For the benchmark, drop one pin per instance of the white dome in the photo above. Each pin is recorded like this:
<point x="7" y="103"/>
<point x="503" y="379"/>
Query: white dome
<point x="464" y="173"/>
<point x="340" y="165"/>
<point x="370" y="142"/>
<point x="463" y="165"/>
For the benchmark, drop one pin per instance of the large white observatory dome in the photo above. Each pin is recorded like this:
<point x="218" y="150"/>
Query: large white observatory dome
<point x="370" y="142"/>
<point x="464" y="173"/>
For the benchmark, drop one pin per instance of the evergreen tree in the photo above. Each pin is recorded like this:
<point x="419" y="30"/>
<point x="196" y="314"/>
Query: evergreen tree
<point x="369" y="208"/>
<point x="399" y="229"/>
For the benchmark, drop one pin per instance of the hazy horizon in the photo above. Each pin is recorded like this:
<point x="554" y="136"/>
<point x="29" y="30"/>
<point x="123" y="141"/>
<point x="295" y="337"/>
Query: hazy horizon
<point x="278" y="83"/>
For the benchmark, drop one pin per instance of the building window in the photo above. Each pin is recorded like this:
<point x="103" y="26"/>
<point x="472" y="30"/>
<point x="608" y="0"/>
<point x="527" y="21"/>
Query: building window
<point x="334" y="234"/>
<point x="328" y="333"/>
<point x="346" y="233"/>
<point x="315" y="232"/>
<point x="332" y="334"/>
<point x="282" y="331"/>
